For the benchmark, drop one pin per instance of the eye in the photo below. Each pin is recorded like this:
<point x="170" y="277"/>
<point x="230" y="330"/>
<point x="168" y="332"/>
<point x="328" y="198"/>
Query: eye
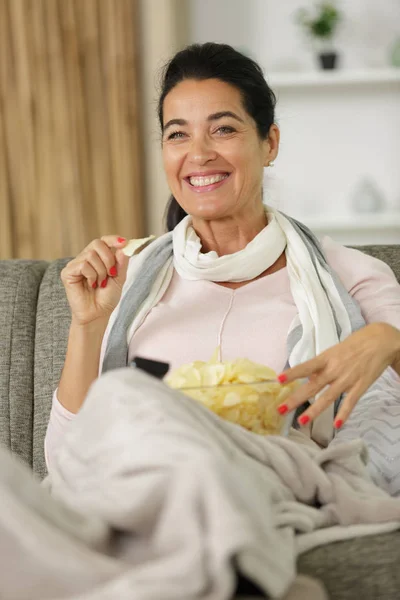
<point x="176" y="135"/>
<point x="225" y="130"/>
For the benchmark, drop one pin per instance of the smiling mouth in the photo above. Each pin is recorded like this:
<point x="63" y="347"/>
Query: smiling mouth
<point x="206" y="181"/>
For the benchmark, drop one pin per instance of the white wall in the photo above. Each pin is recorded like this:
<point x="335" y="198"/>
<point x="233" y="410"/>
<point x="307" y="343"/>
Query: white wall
<point x="267" y="29"/>
<point x="332" y="137"/>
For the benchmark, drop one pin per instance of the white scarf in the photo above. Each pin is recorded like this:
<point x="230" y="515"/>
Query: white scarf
<point x="259" y="254"/>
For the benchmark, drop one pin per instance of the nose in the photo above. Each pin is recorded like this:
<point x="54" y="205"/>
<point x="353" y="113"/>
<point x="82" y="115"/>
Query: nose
<point x="201" y="151"/>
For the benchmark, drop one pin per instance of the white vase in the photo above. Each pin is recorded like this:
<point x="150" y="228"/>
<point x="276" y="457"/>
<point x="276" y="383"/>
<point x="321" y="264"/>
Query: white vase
<point x="367" y="197"/>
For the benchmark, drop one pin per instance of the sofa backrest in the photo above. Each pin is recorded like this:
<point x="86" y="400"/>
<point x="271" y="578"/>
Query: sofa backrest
<point x="19" y="289"/>
<point x="53" y="317"/>
<point x="34" y="323"/>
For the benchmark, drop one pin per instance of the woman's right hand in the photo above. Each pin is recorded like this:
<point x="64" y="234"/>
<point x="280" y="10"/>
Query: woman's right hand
<point x="93" y="280"/>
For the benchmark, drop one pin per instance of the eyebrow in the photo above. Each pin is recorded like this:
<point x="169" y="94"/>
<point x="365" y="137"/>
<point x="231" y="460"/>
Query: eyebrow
<point x="214" y="117"/>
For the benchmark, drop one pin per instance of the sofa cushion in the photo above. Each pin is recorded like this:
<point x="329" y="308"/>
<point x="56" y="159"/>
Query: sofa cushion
<point x="365" y="567"/>
<point x="19" y="289"/>
<point x="52" y="325"/>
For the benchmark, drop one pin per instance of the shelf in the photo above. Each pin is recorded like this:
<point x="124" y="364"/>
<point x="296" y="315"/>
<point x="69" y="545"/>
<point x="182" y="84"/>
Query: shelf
<point x="337" y="77"/>
<point x="355" y="222"/>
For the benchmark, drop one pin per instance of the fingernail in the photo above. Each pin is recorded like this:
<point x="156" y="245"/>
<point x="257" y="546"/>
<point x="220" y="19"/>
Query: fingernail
<point x="338" y="423"/>
<point x="121" y="240"/>
<point x="103" y="283"/>
<point x="304" y="419"/>
<point x="113" y="271"/>
<point x="94" y="285"/>
<point x="282" y="409"/>
<point x="282" y="378"/>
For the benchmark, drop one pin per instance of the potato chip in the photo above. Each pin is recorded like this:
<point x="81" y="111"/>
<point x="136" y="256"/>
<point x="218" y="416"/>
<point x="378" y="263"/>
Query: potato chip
<point x="135" y="246"/>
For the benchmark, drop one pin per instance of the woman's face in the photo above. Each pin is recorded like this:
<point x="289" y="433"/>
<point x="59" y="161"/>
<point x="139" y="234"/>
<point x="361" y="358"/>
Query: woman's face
<point x="213" y="156"/>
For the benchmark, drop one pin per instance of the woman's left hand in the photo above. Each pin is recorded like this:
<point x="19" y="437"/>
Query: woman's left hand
<point x="349" y="367"/>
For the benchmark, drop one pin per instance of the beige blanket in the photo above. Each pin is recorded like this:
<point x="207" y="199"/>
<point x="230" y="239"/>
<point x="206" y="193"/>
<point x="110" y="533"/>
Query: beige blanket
<point x="154" y="497"/>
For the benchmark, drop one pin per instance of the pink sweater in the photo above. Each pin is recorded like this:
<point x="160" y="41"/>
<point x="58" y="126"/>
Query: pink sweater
<point x="251" y="321"/>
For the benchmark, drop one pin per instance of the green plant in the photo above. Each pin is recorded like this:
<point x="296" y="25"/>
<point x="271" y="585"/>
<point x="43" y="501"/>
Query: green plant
<point x="322" y="22"/>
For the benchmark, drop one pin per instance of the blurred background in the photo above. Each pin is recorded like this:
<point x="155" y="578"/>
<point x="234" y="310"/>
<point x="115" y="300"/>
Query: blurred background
<point x="79" y="142"/>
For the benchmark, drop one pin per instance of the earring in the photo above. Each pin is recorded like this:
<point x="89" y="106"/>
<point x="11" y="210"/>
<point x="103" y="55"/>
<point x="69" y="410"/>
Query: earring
<point x="271" y="163"/>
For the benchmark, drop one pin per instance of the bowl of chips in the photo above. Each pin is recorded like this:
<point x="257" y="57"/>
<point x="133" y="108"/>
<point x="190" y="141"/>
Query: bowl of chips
<point x="241" y="391"/>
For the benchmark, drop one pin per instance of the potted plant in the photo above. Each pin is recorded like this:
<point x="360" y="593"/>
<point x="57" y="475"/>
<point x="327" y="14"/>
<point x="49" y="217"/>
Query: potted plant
<point x="321" y="25"/>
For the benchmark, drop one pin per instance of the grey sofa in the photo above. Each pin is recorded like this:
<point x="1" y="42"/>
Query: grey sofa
<point x="34" y="321"/>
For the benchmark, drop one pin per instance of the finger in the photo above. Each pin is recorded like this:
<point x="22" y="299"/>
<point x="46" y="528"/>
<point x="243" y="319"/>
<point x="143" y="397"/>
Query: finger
<point x="114" y="241"/>
<point x="93" y="258"/>
<point x="304" y="370"/>
<point x="106" y="254"/>
<point x="121" y="263"/>
<point x="332" y="393"/>
<point x="72" y="272"/>
<point x="305" y="392"/>
<point x="90" y="274"/>
<point x="348" y="404"/>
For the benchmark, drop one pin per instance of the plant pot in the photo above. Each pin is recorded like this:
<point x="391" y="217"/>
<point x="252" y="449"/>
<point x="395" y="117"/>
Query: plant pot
<point x="328" y="60"/>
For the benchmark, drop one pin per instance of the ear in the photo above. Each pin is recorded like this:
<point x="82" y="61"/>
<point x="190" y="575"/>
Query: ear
<point x="271" y="144"/>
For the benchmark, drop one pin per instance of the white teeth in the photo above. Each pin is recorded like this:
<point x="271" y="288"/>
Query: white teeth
<point x="201" y="181"/>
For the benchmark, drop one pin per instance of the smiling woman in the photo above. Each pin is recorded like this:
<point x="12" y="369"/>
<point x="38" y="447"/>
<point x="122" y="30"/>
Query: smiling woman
<point x="298" y="296"/>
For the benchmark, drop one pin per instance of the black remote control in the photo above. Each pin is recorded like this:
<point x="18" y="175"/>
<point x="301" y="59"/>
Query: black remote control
<point x="152" y="367"/>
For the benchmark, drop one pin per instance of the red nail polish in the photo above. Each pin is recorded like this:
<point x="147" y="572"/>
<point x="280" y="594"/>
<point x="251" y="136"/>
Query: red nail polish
<point x="282" y="409"/>
<point x="338" y="423"/>
<point x="94" y="285"/>
<point x="282" y="378"/>
<point x="121" y="240"/>
<point x="103" y="283"/>
<point x="113" y="271"/>
<point x="304" y="419"/>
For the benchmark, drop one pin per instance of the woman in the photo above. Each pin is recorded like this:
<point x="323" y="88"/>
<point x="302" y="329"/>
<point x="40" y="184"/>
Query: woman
<point x="233" y="273"/>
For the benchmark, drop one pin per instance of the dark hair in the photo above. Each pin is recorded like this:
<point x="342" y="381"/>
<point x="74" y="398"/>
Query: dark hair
<point x="218" y="61"/>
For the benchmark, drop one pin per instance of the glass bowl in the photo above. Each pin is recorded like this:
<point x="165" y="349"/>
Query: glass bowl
<point x="251" y="405"/>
